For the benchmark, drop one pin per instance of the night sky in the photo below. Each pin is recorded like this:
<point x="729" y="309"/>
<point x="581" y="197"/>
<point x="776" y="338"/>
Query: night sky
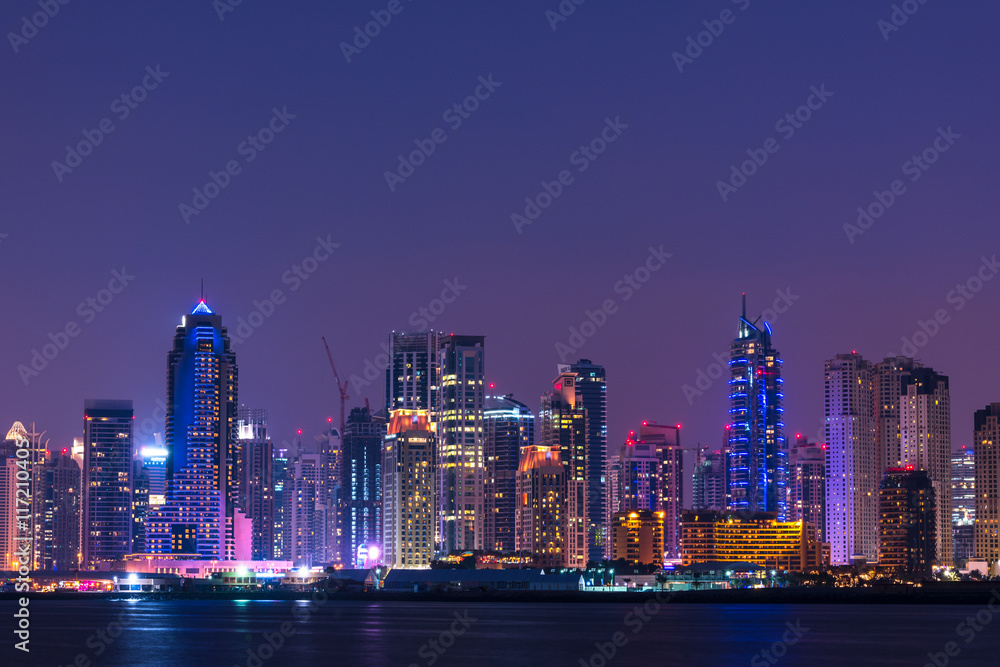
<point x="608" y="67"/>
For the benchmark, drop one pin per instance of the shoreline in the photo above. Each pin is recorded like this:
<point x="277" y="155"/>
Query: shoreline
<point x="937" y="593"/>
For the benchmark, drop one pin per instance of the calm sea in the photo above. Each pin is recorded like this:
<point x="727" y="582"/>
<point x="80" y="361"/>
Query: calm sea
<point x="227" y="633"/>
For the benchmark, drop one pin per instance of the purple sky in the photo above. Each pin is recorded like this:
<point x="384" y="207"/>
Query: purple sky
<point x="655" y="185"/>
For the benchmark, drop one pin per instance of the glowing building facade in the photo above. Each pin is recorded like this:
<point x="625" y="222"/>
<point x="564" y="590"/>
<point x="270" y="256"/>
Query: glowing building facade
<point x="200" y="515"/>
<point x="408" y="490"/>
<point x="758" y="456"/>
<point x="107" y="481"/>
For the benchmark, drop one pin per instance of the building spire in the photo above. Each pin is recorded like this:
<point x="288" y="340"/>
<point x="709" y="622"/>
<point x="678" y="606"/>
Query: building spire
<point x="744" y="305"/>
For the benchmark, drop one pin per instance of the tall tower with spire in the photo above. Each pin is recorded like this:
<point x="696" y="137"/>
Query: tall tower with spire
<point x="200" y="514"/>
<point x="758" y="453"/>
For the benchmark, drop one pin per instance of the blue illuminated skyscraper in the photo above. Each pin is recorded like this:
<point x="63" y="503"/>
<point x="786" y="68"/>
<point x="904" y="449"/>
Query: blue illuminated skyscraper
<point x="758" y="456"/>
<point x="200" y="515"/>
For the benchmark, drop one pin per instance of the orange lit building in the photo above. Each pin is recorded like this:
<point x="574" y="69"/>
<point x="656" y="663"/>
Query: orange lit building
<point x="637" y="537"/>
<point x="756" y="537"/>
<point x="545" y="501"/>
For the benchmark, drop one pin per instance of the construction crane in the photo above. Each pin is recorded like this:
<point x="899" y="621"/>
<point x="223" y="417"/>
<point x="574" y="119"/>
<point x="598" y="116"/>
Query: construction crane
<point x="341" y="386"/>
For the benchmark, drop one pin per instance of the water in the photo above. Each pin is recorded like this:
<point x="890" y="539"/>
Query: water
<point x="195" y="633"/>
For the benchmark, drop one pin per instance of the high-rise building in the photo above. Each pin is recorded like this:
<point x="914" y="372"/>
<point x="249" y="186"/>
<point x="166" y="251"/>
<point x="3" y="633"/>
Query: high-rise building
<point x="807" y="484"/>
<point x="708" y="486"/>
<point x="140" y="504"/>
<point x="592" y="393"/>
<point x="633" y="479"/>
<point x="361" y="484"/>
<point x="545" y="498"/>
<point x="107" y="480"/>
<point x="60" y="513"/>
<point x="963" y="504"/>
<point x="330" y="448"/>
<point x="256" y="487"/>
<point x="408" y="490"/>
<point x="667" y="440"/>
<point x="563" y="426"/>
<point x="925" y="441"/>
<point x="963" y="487"/>
<point x="907" y="522"/>
<point x="304" y="509"/>
<point x="852" y="478"/>
<point x="200" y="514"/>
<point x="888" y="378"/>
<point x="637" y="537"/>
<point x="413" y="376"/>
<point x="510" y="427"/>
<point x="279" y="473"/>
<point x="460" y="431"/>
<point x="986" y="430"/>
<point x="758" y="456"/>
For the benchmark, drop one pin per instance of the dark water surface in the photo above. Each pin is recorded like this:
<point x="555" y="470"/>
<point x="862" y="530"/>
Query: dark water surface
<point x="194" y="633"/>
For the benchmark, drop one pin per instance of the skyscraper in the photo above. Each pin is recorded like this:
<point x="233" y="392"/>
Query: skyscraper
<point x="807" y="484"/>
<point x="279" y="473"/>
<point x="256" y="488"/>
<point x="633" y="479"/>
<point x="851" y="475"/>
<point x="986" y="425"/>
<point x="200" y="515"/>
<point x="563" y="425"/>
<point x="667" y="440"/>
<point x="408" y="490"/>
<point x="925" y="441"/>
<point x="709" y="484"/>
<point x="888" y="378"/>
<point x="140" y="504"/>
<point x="60" y="513"/>
<point x="510" y="427"/>
<point x="107" y="488"/>
<point x="361" y="484"/>
<point x="963" y="504"/>
<point x="907" y="522"/>
<point x="592" y="393"/>
<point x="460" y="430"/>
<point x="758" y="457"/>
<point x="545" y="499"/>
